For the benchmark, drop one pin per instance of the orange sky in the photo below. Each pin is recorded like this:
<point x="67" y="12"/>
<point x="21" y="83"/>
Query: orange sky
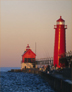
<point x="27" y="22"/>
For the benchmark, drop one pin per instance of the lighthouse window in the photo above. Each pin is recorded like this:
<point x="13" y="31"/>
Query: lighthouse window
<point x="29" y="60"/>
<point x="60" y="23"/>
<point x="25" y="59"/>
<point x="33" y="59"/>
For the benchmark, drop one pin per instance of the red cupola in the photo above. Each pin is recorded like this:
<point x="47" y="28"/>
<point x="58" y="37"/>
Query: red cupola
<point x="27" y="47"/>
<point x="60" y="19"/>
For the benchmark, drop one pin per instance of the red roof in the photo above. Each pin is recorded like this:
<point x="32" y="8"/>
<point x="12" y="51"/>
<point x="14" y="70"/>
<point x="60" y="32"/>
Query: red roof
<point x="29" y="51"/>
<point x="60" y="19"/>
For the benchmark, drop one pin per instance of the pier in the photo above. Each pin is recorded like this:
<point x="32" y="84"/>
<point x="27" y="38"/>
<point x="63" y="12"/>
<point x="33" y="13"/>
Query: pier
<point x="59" y="79"/>
<point x="44" y="61"/>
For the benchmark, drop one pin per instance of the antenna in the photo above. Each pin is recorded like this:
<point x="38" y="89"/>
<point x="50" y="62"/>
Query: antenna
<point x="35" y="47"/>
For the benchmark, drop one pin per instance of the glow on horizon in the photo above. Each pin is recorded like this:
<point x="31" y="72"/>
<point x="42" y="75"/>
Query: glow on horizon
<point x="30" y="22"/>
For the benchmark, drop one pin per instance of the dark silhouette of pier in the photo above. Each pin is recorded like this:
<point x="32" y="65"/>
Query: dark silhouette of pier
<point x="64" y="58"/>
<point x="44" y="61"/>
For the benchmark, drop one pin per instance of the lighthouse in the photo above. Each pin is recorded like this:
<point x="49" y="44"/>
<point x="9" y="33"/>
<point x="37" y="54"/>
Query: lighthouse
<point x="60" y="41"/>
<point x="28" y="58"/>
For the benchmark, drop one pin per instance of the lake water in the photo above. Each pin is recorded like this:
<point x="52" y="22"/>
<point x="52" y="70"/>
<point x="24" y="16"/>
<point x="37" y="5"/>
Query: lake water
<point x="22" y="82"/>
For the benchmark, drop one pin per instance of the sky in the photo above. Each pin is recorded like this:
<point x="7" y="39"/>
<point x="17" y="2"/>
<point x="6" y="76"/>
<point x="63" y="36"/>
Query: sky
<point x="29" y="22"/>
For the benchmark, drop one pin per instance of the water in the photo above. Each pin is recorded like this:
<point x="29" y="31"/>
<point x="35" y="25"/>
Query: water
<point x="22" y="82"/>
<point x="5" y="69"/>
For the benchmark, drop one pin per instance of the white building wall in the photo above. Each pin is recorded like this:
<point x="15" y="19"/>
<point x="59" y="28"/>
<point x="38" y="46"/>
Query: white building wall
<point x="28" y="65"/>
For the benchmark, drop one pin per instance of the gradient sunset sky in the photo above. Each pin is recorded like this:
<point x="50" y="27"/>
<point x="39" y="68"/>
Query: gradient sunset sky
<point x="26" y="22"/>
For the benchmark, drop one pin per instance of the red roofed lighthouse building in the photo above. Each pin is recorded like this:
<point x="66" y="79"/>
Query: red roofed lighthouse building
<point x="28" y="58"/>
